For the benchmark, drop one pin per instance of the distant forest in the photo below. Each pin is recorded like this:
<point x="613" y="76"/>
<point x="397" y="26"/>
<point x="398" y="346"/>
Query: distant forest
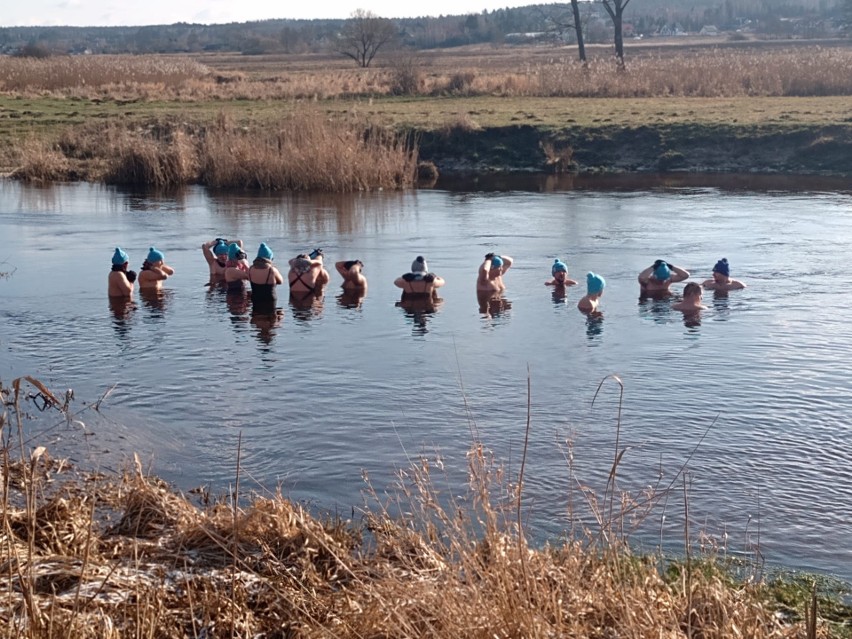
<point x="541" y="22"/>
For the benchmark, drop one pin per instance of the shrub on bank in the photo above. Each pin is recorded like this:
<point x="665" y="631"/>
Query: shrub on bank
<point x="303" y="152"/>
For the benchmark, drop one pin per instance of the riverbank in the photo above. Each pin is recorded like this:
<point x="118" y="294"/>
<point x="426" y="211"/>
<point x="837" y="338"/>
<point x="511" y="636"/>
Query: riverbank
<point x="115" y="554"/>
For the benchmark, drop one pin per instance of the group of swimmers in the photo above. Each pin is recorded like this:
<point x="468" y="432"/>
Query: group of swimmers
<point x="307" y="276"/>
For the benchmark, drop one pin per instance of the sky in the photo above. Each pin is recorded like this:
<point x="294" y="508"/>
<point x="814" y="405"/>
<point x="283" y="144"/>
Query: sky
<point x="123" y="13"/>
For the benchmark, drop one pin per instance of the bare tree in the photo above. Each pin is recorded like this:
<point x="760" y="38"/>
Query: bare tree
<point x="615" y="9"/>
<point x="363" y="34"/>
<point x="562" y="24"/>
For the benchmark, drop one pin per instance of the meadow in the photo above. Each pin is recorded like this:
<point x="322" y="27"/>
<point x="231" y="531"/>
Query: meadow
<point x="124" y="555"/>
<point x="46" y="103"/>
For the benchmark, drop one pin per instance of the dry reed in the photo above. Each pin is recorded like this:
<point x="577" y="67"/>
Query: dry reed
<point x="304" y="152"/>
<point x="803" y="70"/>
<point x="428" y="565"/>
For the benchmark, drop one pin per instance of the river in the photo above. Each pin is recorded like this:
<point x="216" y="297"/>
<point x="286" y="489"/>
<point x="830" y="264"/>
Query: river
<point x="752" y="400"/>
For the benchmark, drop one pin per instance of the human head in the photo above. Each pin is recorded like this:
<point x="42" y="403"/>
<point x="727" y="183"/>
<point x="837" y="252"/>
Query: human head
<point x="419" y="265"/>
<point x="559" y="267"/>
<point x="594" y="284"/>
<point x="662" y="272"/>
<point x="154" y="256"/>
<point x="722" y="271"/>
<point x="234" y="251"/>
<point x="496" y="262"/>
<point x="264" y="252"/>
<point x="348" y="265"/>
<point x="692" y="290"/>
<point x="221" y="248"/>
<point x="119" y="257"/>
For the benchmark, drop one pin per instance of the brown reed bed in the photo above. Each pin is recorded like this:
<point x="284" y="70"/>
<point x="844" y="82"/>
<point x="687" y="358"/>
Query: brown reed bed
<point x="705" y="71"/>
<point x="303" y="151"/>
<point x="126" y="556"/>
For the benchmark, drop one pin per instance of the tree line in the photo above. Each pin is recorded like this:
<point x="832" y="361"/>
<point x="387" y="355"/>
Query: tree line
<point x="596" y="21"/>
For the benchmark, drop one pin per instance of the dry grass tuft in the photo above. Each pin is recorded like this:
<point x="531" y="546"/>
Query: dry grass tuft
<point x="42" y="162"/>
<point x="428" y="564"/>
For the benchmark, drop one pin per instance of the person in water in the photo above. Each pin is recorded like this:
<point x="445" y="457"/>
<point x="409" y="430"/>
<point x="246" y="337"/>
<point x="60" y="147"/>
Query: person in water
<point x="154" y="270"/>
<point x="236" y="271"/>
<point x="352" y="273"/>
<point x="491" y="271"/>
<point x="691" y="302"/>
<point x="419" y="282"/>
<point x="722" y="280"/>
<point x="595" y="285"/>
<point x="263" y="278"/>
<point x="307" y="274"/>
<point x="216" y="253"/>
<point x="559" y="271"/>
<point x="120" y="281"/>
<point x="658" y="277"/>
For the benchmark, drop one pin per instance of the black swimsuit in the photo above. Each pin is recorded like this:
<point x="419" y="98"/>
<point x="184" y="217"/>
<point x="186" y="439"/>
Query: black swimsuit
<point x="263" y="295"/>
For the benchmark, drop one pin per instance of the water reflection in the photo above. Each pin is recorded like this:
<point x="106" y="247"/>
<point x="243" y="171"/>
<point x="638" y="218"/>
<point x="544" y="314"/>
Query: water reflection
<point x="692" y="320"/>
<point x="493" y="305"/>
<point x="594" y="324"/>
<point x="238" y="306"/>
<point x="419" y="309"/>
<point x="156" y="300"/>
<point x="720" y="305"/>
<point x="351" y="298"/>
<point x="122" y="309"/>
<point x="266" y="323"/>
<point x="559" y="295"/>
<point x="307" y="305"/>
<point x="656" y="307"/>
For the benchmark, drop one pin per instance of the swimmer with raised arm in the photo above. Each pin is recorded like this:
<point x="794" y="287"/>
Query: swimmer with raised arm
<point x="691" y="302"/>
<point x="491" y="271"/>
<point x="559" y="271"/>
<point x="594" y="289"/>
<point x="216" y="253"/>
<point x="353" y="277"/>
<point x="722" y="280"/>
<point x="419" y="282"/>
<point x="120" y="280"/>
<point x="658" y="277"/>
<point x="154" y="270"/>
<point x="307" y="273"/>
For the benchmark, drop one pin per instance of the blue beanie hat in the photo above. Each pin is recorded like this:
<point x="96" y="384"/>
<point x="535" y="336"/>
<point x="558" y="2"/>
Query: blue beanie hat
<point x="722" y="267"/>
<point x="221" y="248"/>
<point x="264" y="252"/>
<point x="558" y="266"/>
<point x="119" y="257"/>
<point x="496" y="262"/>
<point x="662" y="271"/>
<point x="234" y="251"/>
<point x="154" y="255"/>
<point x="594" y="283"/>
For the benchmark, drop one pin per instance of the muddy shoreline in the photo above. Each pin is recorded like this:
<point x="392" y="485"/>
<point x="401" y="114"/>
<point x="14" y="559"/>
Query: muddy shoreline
<point x="801" y="149"/>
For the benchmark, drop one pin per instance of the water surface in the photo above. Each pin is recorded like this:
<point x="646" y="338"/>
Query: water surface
<point x="753" y="397"/>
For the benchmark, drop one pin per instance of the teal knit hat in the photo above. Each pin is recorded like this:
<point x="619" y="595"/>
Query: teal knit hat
<point x="264" y="252"/>
<point x="594" y="283"/>
<point x="155" y="256"/>
<point x="221" y="248"/>
<point x="119" y="257"/>
<point x="558" y="266"/>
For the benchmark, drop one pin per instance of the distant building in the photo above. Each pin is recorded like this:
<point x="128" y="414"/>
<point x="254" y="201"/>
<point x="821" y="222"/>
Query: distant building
<point x="709" y="30"/>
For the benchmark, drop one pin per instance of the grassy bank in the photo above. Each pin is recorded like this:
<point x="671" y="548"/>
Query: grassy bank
<point x="703" y="108"/>
<point x="126" y="556"/>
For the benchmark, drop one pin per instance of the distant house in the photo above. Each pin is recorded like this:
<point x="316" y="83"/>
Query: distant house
<point x="671" y="30"/>
<point x="709" y="30"/>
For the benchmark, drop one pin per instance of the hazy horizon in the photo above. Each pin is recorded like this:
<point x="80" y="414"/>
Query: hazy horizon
<point x="107" y="13"/>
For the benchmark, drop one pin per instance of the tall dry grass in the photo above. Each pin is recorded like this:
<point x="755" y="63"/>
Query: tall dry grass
<point x="804" y="70"/>
<point x="128" y="557"/>
<point x="304" y="151"/>
<point x="61" y="74"/>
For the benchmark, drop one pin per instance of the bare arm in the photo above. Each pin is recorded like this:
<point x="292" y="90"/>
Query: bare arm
<point x="168" y="270"/>
<point x="340" y="267"/>
<point x="207" y="249"/>
<point x="645" y="275"/>
<point x="678" y="274"/>
<point x="507" y="263"/>
<point x="438" y="282"/>
<point x="277" y="275"/>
